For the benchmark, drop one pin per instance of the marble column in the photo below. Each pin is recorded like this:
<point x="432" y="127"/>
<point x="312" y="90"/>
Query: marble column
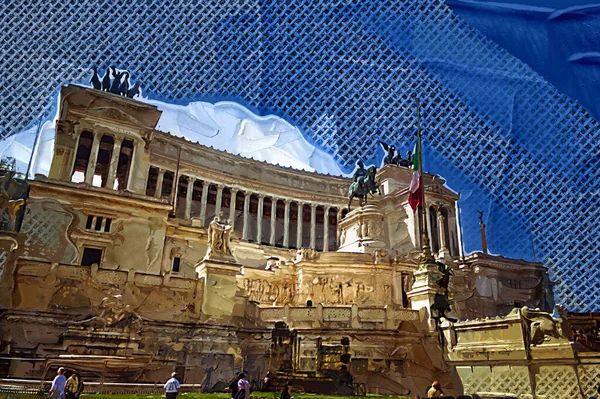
<point x="203" y="201"/>
<point x="313" y="226"/>
<point x="442" y="238"/>
<point x="299" y="226"/>
<point x="219" y="200"/>
<point x="188" y="197"/>
<point x="246" y="216"/>
<point x="159" y="183"/>
<point x="326" y="230"/>
<point x="338" y="228"/>
<point x="114" y="162"/>
<point x="259" y="217"/>
<point x="273" y="220"/>
<point x="286" y="224"/>
<point x="232" y="204"/>
<point x="429" y="226"/>
<point x="131" y="165"/>
<point x="174" y="188"/>
<point x="91" y="166"/>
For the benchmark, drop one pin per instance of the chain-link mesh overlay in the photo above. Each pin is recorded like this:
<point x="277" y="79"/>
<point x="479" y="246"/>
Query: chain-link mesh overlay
<point x="346" y="72"/>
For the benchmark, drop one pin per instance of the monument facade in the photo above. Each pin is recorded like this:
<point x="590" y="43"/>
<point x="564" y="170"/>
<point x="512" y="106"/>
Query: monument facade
<point x="142" y="253"/>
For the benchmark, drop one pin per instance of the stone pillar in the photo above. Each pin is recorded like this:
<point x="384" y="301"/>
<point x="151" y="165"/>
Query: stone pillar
<point x="132" y="168"/>
<point x="91" y="166"/>
<point x="442" y="238"/>
<point x="326" y="230"/>
<point x="174" y="188"/>
<point x="273" y="220"/>
<point x="299" y="226"/>
<point x="114" y="162"/>
<point x="219" y="200"/>
<point x="188" y="197"/>
<point x="246" y="215"/>
<point x="424" y="290"/>
<point x="203" y="201"/>
<point x="286" y="225"/>
<point x="429" y="225"/>
<point x="313" y="226"/>
<point x="338" y="228"/>
<point x="232" y="203"/>
<point x="259" y="217"/>
<point x="218" y="294"/>
<point x="159" y="183"/>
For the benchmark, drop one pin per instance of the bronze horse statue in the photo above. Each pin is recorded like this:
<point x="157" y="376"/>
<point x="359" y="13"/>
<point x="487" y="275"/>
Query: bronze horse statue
<point x="363" y="186"/>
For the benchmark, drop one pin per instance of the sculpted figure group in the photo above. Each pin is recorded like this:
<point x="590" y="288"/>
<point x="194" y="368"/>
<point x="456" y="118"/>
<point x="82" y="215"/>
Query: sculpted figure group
<point x="219" y="235"/>
<point x="394" y="157"/>
<point x="119" y="84"/>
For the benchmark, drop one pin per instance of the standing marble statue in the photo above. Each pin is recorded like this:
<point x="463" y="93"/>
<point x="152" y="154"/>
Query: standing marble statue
<point x="219" y="236"/>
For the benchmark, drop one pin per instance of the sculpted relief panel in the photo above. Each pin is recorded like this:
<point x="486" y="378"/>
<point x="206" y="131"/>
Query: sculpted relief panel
<point x="323" y="289"/>
<point x="263" y="291"/>
<point x="346" y="291"/>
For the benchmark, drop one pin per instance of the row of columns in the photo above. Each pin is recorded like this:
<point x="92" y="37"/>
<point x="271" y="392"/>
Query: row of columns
<point x="114" y="161"/>
<point x="441" y="225"/>
<point x="246" y="212"/>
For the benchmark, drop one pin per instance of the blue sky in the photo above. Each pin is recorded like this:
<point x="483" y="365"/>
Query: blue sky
<point x="544" y="3"/>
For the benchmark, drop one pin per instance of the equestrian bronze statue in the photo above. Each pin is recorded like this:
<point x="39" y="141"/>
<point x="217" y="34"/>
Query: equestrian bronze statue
<point x="364" y="184"/>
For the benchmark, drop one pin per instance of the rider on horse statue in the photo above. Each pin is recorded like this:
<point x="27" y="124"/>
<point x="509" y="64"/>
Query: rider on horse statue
<point x="364" y="183"/>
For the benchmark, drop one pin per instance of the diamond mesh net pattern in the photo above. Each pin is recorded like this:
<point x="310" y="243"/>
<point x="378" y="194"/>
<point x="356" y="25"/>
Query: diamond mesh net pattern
<point x="345" y="72"/>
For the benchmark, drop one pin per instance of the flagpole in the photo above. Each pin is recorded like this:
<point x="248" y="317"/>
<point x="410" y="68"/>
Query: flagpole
<point x="425" y="248"/>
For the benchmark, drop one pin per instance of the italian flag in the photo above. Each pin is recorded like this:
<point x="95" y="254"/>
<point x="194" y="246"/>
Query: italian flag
<point x="416" y="183"/>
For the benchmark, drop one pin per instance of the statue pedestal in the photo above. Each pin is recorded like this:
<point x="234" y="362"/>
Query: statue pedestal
<point x="363" y="230"/>
<point x="220" y="299"/>
<point x="424" y="289"/>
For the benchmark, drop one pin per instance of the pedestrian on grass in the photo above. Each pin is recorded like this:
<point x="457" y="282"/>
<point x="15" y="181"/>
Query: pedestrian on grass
<point x="72" y="386"/>
<point x="435" y="391"/>
<point x="57" y="390"/>
<point x="243" y="386"/>
<point x="285" y="394"/>
<point x="172" y="387"/>
<point x="233" y="385"/>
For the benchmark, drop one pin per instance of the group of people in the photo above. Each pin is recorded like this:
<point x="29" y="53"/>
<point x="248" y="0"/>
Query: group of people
<point x="66" y="388"/>
<point x="239" y="388"/>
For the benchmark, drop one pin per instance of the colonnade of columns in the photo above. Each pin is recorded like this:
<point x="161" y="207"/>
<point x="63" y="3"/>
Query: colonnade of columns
<point x="103" y="166"/>
<point x="442" y="235"/>
<point x="252" y="228"/>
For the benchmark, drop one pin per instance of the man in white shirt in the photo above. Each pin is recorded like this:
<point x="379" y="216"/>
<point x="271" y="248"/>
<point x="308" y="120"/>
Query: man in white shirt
<point x="172" y="386"/>
<point x="57" y="390"/>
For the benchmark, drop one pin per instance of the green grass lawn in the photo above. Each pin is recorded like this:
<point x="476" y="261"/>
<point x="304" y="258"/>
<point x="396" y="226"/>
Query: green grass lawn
<point x="257" y="395"/>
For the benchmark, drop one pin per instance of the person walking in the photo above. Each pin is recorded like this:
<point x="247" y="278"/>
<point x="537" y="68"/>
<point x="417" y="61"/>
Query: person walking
<point x="243" y="388"/>
<point x="285" y="394"/>
<point x="57" y="390"/>
<point x="72" y="386"/>
<point x="172" y="387"/>
<point x="435" y="391"/>
<point x="233" y="385"/>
